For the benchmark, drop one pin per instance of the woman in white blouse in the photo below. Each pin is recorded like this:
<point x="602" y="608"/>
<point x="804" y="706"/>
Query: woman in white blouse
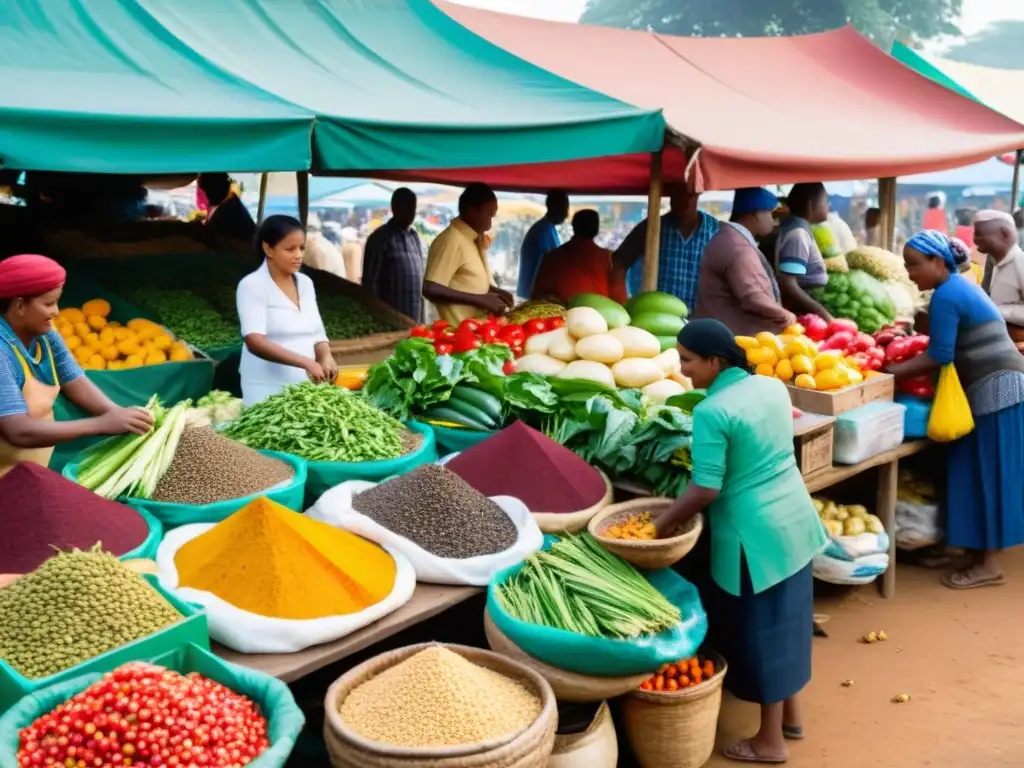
<point x="285" y="339"/>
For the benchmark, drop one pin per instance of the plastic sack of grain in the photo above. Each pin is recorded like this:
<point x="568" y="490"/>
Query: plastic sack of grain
<point x="251" y="633"/>
<point x="861" y="570"/>
<point x="336" y="508"/>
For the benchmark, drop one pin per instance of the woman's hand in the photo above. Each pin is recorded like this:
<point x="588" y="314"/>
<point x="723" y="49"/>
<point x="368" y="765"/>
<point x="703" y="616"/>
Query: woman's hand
<point x="315" y="371"/>
<point x="121" y="421"/>
<point x="330" y="367"/>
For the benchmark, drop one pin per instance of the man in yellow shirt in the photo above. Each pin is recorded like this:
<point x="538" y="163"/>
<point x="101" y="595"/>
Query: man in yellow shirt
<point x="457" y="278"/>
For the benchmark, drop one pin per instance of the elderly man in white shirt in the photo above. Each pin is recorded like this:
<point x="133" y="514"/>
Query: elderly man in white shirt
<point x="995" y="235"/>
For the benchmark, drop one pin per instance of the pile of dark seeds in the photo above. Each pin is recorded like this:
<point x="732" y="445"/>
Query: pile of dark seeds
<point x="440" y="512"/>
<point x="208" y="468"/>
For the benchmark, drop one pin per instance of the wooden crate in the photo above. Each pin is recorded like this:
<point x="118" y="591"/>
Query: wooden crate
<point x="812" y="442"/>
<point x="842" y="400"/>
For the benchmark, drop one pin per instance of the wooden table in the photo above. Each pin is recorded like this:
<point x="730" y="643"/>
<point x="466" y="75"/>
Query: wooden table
<point x="427" y="601"/>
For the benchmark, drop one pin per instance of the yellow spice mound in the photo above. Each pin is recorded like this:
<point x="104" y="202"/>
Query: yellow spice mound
<point x="269" y="560"/>
<point x="438" y="698"/>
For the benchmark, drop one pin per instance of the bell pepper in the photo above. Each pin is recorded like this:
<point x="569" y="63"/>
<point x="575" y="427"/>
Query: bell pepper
<point x="421" y="332"/>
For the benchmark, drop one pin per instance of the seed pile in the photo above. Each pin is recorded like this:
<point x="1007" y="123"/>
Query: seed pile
<point x="208" y="468"/>
<point x="438" y="698"/>
<point x="75" y="606"/>
<point x="440" y="512"/>
<point x="40" y="511"/>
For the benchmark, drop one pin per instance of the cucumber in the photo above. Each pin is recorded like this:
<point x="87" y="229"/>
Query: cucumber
<point x="484" y="401"/>
<point x="441" y="413"/>
<point x="658" y="323"/>
<point x="471" y="412"/>
<point x="613" y="313"/>
<point x="658" y="302"/>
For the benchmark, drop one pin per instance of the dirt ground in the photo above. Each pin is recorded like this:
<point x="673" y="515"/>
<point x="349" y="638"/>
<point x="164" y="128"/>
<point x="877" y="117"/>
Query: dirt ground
<point x="957" y="654"/>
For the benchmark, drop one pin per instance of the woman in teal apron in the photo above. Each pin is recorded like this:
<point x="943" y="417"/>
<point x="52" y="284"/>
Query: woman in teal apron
<point x="36" y="366"/>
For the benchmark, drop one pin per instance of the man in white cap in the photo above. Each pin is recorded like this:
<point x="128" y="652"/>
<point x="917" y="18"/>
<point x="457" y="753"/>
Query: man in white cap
<point x="995" y="235"/>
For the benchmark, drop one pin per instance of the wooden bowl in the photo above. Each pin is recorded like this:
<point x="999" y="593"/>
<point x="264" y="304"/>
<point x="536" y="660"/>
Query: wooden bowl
<point x="657" y="553"/>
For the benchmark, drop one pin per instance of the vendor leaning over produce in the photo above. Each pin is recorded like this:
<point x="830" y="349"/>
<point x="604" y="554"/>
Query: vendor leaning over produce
<point x="458" y="278"/>
<point x="737" y="283"/>
<point x="797" y="256"/>
<point x="764" y="533"/>
<point x="985" y="497"/>
<point x="285" y="339"/>
<point x="36" y="367"/>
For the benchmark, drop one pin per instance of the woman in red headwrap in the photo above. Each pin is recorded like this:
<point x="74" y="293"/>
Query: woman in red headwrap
<point x="35" y="367"/>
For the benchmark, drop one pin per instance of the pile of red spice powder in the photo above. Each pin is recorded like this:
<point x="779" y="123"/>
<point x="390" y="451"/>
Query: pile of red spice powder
<point x="519" y="461"/>
<point x="41" y="511"/>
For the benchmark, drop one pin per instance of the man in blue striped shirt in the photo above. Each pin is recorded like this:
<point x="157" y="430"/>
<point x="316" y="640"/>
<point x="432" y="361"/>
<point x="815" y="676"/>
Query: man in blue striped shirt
<point x="685" y="231"/>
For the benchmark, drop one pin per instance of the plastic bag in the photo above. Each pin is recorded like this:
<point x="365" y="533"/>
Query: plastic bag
<point x="335" y="507"/>
<point x="917" y="525"/>
<point x="288" y="494"/>
<point x="275" y="700"/>
<point x="951" y="416"/>
<point x="606" y="657"/>
<point x="323" y="475"/>
<point x="862" y="570"/>
<point x="850" y="548"/>
<point x="251" y="633"/>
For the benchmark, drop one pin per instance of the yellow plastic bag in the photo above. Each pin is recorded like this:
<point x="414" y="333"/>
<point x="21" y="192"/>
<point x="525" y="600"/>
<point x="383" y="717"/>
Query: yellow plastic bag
<point x="951" y="416"/>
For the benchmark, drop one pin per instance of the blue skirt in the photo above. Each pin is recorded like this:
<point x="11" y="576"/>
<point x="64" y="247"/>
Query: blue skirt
<point x="765" y="638"/>
<point x="986" y="483"/>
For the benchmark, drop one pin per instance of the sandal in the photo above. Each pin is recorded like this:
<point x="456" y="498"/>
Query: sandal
<point x="964" y="580"/>
<point x="744" y="752"/>
<point x="793" y="732"/>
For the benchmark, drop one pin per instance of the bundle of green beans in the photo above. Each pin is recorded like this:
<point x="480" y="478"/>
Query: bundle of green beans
<point x="319" y="422"/>
<point x="189" y="317"/>
<point x="581" y="587"/>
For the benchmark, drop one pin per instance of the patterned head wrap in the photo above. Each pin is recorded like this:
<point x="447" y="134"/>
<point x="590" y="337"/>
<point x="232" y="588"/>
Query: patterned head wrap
<point x="933" y="243"/>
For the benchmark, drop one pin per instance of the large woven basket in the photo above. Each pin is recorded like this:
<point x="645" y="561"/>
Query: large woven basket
<point x="596" y="747"/>
<point x="574" y="522"/>
<point x="529" y="749"/>
<point x="675" y="729"/>
<point x="568" y="686"/>
<point x="658" y="553"/>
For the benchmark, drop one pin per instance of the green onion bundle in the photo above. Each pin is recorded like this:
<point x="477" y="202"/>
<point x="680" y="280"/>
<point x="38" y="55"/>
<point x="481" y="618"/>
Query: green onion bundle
<point x="580" y="587"/>
<point x="132" y="465"/>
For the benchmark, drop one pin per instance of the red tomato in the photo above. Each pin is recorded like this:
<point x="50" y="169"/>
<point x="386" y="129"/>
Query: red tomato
<point x="439" y="325"/>
<point x="509" y="368"/>
<point x="556" y="322"/>
<point x="489" y="332"/>
<point x="443" y="347"/>
<point x="465" y="340"/>
<point x="864" y="342"/>
<point x="513" y="334"/>
<point x="535" y="326"/>
<point x="421" y="332"/>
<point x="842" y="324"/>
<point x="469" y="324"/>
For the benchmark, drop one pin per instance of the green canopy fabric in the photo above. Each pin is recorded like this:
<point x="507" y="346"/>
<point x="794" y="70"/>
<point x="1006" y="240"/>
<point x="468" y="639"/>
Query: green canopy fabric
<point x="98" y="86"/>
<point x="397" y="84"/>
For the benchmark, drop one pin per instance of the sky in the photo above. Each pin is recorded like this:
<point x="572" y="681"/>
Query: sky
<point x="977" y="14"/>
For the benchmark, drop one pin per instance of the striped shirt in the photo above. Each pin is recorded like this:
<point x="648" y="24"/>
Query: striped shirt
<point x="393" y="265"/>
<point x="678" y="257"/>
<point x="12" y="377"/>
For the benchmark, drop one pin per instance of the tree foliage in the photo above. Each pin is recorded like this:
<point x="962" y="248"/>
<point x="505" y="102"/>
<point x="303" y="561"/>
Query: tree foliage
<point x="883" y="21"/>
<point x="998" y="45"/>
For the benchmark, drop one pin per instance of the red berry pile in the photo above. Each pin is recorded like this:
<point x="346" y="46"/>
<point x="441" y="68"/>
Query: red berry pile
<point x="145" y="715"/>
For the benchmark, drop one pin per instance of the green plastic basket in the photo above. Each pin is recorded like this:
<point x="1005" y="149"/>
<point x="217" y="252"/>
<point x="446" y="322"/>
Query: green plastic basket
<point x="451" y="440"/>
<point x="275" y="700"/>
<point x="147" y="549"/>
<point x="191" y="629"/>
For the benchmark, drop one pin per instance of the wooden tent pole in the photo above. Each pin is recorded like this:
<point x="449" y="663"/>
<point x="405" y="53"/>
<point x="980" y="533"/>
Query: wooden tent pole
<point x="1015" y="193"/>
<point x="652" y="244"/>
<point x="263" y="197"/>
<point x="887" y="209"/>
<point x="302" y="179"/>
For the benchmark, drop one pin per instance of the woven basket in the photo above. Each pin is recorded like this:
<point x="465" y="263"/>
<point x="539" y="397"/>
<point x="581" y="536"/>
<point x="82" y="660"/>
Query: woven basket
<point x="568" y="686"/>
<point x="596" y="747"/>
<point x="530" y="748"/>
<point x="574" y="522"/>
<point x="675" y="729"/>
<point x="659" y="553"/>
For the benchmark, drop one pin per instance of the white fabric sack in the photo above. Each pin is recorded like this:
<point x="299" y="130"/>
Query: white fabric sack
<point x="852" y="547"/>
<point x="863" y="570"/>
<point x="251" y="633"/>
<point x="917" y="525"/>
<point x="335" y="507"/>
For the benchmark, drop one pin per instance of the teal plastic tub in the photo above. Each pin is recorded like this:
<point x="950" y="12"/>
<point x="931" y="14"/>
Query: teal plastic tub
<point x="450" y="440"/>
<point x="190" y="630"/>
<point x="147" y="549"/>
<point x="275" y="700"/>
<point x="324" y="475"/>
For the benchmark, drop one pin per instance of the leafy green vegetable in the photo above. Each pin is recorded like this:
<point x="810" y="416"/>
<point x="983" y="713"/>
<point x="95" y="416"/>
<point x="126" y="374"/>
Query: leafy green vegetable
<point x="412" y="379"/>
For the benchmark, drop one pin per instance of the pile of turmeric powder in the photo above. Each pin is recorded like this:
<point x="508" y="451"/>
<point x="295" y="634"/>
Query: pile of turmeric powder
<point x="268" y="560"/>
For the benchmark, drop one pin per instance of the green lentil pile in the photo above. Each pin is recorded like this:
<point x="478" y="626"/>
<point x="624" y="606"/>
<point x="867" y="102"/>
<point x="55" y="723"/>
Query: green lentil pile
<point x="438" y="698"/>
<point x="439" y="511"/>
<point x="75" y="606"/>
<point x="208" y="467"/>
<point x="346" y="318"/>
<point x="189" y="317"/>
<point x="322" y="422"/>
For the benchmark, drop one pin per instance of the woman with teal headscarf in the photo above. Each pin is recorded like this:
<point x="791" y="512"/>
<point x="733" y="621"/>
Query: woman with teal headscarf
<point x="764" y="534"/>
<point x="985" y="492"/>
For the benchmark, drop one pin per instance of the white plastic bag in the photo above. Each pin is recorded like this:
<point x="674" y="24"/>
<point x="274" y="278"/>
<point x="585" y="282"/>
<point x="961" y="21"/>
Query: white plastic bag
<point x="251" y="633"/>
<point x="917" y="525"/>
<point x="862" y="570"/>
<point x="335" y="507"/>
